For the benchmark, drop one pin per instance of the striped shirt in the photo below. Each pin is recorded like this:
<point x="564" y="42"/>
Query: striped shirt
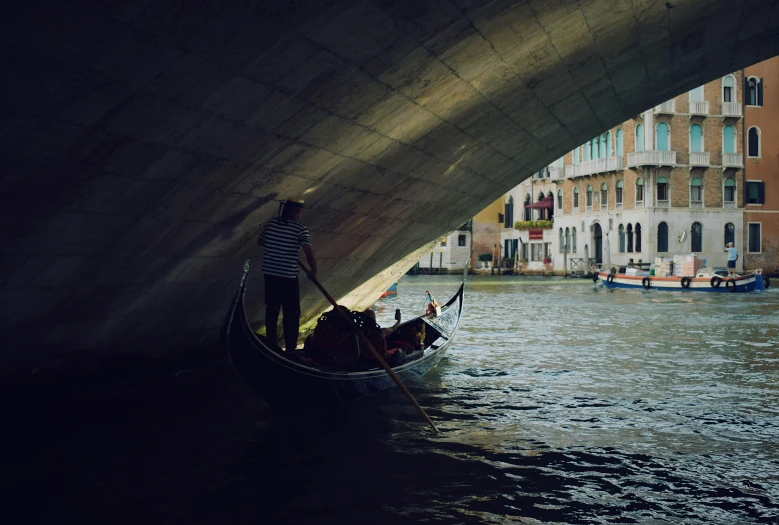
<point x="283" y="237"/>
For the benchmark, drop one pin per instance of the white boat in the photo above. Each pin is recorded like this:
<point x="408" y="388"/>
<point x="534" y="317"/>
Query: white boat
<point x="705" y="280"/>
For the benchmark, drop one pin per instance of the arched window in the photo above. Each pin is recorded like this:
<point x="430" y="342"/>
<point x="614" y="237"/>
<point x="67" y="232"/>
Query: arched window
<point x="589" y="195"/>
<point x="662" y="237"/>
<point x="594" y="148"/>
<point x="619" y="143"/>
<point x="509" y="214"/>
<point x="609" y="148"/>
<point x="662" y="189"/>
<point x="752" y="98"/>
<point x="621" y="239"/>
<point x="753" y="141"/>
<point x="729" y="192"/>
<point x="568" y="239"/>
<point x="728" y="89"/>
<point x="576" y="198"/>
<point x="696" y="95"/>
<point x="586" y="150"/>
<point x="528" y="211"/>
<point x="730" y="234"/>
<point x="560" y="200"/>
<point x="696" y="192"/>
<point x="562" y="241"/>
<point x="696" y="138"/>
<point x="575" y="155"/>
<point x="639" y="137"/>
<point x="618" y="194"/>
<point x="662" y="137"/>
<point x="573" y="240"/>
<point x="728" y="139"/>
<point x="638" y="237"/>
<point x="602" y="149"/>
<point x="640" y="189"/>
<point x="604" y="196"/>
<point x="630" y="238"/>
<point x="696" y="237"/>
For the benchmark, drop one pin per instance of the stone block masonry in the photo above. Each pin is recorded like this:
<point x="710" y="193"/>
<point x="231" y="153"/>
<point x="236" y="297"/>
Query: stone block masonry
<point x="143" y="145"/>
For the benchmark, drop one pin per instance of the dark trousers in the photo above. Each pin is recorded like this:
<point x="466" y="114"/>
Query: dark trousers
<point x="282" y="293"/>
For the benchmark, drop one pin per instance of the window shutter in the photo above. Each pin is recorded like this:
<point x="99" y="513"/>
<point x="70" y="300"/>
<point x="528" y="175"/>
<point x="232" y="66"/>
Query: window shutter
<point x="746" y="91"/>
<point x="500" y="217"/>
<point x="760" y="92"/>
<point x="761" y="192"/>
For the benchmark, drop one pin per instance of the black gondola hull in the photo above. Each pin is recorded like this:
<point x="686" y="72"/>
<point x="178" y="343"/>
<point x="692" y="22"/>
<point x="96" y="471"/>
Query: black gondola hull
<point x="286" y="383"/>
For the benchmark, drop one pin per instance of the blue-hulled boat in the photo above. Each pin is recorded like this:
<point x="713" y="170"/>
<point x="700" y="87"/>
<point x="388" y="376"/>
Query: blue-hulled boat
<point x="702" y="282"/>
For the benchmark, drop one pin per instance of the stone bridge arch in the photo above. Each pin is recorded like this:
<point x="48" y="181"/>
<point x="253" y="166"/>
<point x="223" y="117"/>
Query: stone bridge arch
<point x="143" y="142"/>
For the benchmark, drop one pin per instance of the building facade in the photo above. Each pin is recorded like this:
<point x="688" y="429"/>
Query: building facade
<point x="486" y="229"/>
<point x="761" y="184"/>
<point x="449" y="254"/>
<point x="669" y="181"/>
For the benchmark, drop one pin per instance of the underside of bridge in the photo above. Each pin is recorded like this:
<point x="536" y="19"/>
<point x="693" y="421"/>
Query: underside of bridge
<point x="145" y="141"/>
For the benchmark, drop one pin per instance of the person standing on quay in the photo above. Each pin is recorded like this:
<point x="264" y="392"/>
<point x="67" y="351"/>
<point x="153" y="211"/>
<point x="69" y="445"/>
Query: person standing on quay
<point x="282" y="237"/>
<point x="732" y="258"/>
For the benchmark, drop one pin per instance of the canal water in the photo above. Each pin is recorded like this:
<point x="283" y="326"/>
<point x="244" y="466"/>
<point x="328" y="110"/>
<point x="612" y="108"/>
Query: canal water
<point x="559" y="402"/>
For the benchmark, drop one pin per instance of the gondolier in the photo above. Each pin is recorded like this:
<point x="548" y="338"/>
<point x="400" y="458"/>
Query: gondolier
<point x="282" y="237"/>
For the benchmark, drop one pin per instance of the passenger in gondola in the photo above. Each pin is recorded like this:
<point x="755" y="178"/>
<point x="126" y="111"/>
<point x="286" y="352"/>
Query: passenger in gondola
<point x="283" y="237"/>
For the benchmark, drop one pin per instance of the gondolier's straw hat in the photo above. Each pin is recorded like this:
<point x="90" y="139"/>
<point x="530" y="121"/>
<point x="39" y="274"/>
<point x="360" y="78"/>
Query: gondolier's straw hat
<point x="297" y="203"/>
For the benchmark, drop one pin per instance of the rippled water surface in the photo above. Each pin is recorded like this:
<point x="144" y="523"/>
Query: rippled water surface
<point x="559" y="402"/>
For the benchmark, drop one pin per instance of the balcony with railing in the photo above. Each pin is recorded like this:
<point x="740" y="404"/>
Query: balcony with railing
<point x="555" y="173"/>
<point x="699" y="158"/>
<point x="589" y="208"/>
<point x="699" y="107"/>
<point x="618" y="205"/>
<point x="729" y="204"/>
<point x="666" y="107"/>
<point x="663" y="203"/>
<point x="575" y="210"/>
<point x="651" y="158"/>
<point x="591" y="167"/>
<point x="732" y="160"/>
<point x="731" y="109"/>
<point x="696" y="204"/>
<point x="639" y="204"/>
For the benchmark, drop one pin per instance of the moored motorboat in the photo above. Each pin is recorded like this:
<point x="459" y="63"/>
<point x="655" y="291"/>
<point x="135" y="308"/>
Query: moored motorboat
<point x="392" y="290"/>
<point x="705" y="280"/>
<point x="286" y="380"/>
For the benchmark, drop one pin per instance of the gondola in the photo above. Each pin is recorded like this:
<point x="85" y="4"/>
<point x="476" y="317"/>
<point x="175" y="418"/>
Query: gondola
<point x="287" y="382"/>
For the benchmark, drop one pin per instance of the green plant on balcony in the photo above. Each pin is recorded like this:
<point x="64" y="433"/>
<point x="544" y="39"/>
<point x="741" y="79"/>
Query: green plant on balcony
<point x="531" y="225"/>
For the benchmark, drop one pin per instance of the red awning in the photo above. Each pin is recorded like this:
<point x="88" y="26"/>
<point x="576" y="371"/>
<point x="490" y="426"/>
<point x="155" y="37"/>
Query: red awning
<point x="546" y="202"/>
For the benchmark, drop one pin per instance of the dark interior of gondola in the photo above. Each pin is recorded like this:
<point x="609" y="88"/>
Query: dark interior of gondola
<point x="405" y="344"/>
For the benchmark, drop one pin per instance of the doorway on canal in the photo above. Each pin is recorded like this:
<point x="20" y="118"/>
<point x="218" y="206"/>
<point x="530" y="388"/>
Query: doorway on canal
<point x="597" y="235"/>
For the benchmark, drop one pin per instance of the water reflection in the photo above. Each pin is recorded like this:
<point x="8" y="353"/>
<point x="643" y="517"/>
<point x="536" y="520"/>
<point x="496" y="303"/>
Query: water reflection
<point x="558" y="403"/>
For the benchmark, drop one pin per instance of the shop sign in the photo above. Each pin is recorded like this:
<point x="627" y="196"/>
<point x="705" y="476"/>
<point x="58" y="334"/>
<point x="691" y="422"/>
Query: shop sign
<point x="536" y="235"/>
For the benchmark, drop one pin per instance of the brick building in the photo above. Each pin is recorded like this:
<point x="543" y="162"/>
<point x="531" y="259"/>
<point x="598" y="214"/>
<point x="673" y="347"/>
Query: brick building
<point x="669" y="181"/>
<point x="761" y="185"/>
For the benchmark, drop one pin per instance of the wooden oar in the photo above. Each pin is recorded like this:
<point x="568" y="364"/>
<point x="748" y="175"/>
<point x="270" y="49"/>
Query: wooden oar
<point x="367" y="343"/>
